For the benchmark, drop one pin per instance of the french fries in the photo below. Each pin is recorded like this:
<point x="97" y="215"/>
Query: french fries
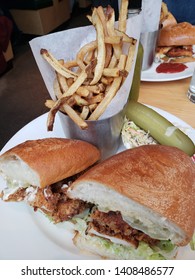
<point x="85" y="86"/>
<point x="123" y="15"/>
<point x="111" y="92"/>
<point x="57" y="65"/>
<point x="101" y="48"/>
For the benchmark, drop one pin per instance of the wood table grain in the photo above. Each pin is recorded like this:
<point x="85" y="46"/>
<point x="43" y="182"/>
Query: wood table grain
<point x="171" y="97"/>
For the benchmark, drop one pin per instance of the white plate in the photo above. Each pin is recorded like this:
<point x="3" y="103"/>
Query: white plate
<point x="26" y="234"/>
<point x="151" y="75"/>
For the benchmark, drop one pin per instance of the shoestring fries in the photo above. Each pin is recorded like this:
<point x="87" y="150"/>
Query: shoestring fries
<point x="85" y="86"/>
<point x="57" y="64"/>
<point x="123" y="15"/>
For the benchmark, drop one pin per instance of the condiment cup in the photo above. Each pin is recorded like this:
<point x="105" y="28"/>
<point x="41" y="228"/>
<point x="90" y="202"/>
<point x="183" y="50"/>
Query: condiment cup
<point x="148" y="41"/>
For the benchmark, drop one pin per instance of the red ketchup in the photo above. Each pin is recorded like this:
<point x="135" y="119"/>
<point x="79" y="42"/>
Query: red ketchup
<point x="171" y="67"/>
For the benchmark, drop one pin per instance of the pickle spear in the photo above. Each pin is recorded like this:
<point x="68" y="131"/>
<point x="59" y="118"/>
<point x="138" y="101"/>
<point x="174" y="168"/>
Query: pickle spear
<point x="162" y="130"/>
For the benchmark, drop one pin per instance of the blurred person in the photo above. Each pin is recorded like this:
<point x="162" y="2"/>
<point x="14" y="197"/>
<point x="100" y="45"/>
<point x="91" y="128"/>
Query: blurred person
<point x="182" y="10"/>
<point x="16" y="35"/>
<point x="5" y="35"/>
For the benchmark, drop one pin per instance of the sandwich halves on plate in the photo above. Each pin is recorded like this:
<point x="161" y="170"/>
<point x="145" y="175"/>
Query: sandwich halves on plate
<point x="137" y="204"/>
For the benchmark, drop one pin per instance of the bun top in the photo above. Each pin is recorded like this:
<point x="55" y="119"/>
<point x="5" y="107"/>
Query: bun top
<point x="46" y="161"/>
<point x="158" y="178"/>
<point x="180" y="34"/>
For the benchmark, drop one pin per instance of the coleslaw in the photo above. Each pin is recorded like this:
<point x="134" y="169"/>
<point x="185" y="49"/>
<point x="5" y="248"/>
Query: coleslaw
<point x="134" y="136"/>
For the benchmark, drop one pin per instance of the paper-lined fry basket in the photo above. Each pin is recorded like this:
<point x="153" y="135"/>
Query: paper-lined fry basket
<point x="104" y="132"/>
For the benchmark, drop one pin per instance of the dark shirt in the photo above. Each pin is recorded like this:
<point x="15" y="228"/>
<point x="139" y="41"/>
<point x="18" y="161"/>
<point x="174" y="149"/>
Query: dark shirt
<point x="182" y="10"/>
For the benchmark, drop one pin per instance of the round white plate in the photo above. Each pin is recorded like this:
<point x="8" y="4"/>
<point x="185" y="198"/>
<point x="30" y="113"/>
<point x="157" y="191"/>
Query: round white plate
<point x="26" y="234"/>
<point x="151" y="75"/>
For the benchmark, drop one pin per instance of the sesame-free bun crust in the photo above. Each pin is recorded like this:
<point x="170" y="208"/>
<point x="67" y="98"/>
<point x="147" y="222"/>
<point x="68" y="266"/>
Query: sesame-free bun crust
<point x="180" y="34"/>
<point x="49" y="160"/>
<point x="155" y="181"/>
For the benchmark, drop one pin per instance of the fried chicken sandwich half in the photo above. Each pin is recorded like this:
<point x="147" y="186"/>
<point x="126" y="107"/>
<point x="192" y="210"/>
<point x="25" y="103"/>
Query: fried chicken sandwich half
<point x="143" y="204"/>
<point x="39" y="172"/>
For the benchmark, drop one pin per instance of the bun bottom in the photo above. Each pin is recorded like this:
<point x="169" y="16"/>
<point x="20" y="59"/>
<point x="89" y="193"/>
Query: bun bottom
<point x="92" y="244"/>
<point x="98" y="246"/>
<point x="105" y="249"/>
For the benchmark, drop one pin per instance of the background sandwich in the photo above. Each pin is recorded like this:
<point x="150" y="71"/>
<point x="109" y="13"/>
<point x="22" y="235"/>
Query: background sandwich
<point x="176" y="43"/>
<point x="144" y="204"/>
<point x="39" y="172"/>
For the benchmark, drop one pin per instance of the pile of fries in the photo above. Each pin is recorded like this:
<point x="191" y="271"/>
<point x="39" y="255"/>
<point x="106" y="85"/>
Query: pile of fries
<point x="85" y="86"/>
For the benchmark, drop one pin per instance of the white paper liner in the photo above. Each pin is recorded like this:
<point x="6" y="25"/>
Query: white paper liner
<point x="151" y="15"/>
<point x="65" y="45"/>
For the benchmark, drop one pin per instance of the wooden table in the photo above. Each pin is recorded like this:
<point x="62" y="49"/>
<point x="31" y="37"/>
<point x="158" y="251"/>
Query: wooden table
<point x="171" y="97"/>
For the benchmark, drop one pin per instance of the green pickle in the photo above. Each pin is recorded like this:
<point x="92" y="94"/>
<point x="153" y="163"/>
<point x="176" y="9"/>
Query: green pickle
<point x="163" y="131"/>
<point x="134" y="91"/>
